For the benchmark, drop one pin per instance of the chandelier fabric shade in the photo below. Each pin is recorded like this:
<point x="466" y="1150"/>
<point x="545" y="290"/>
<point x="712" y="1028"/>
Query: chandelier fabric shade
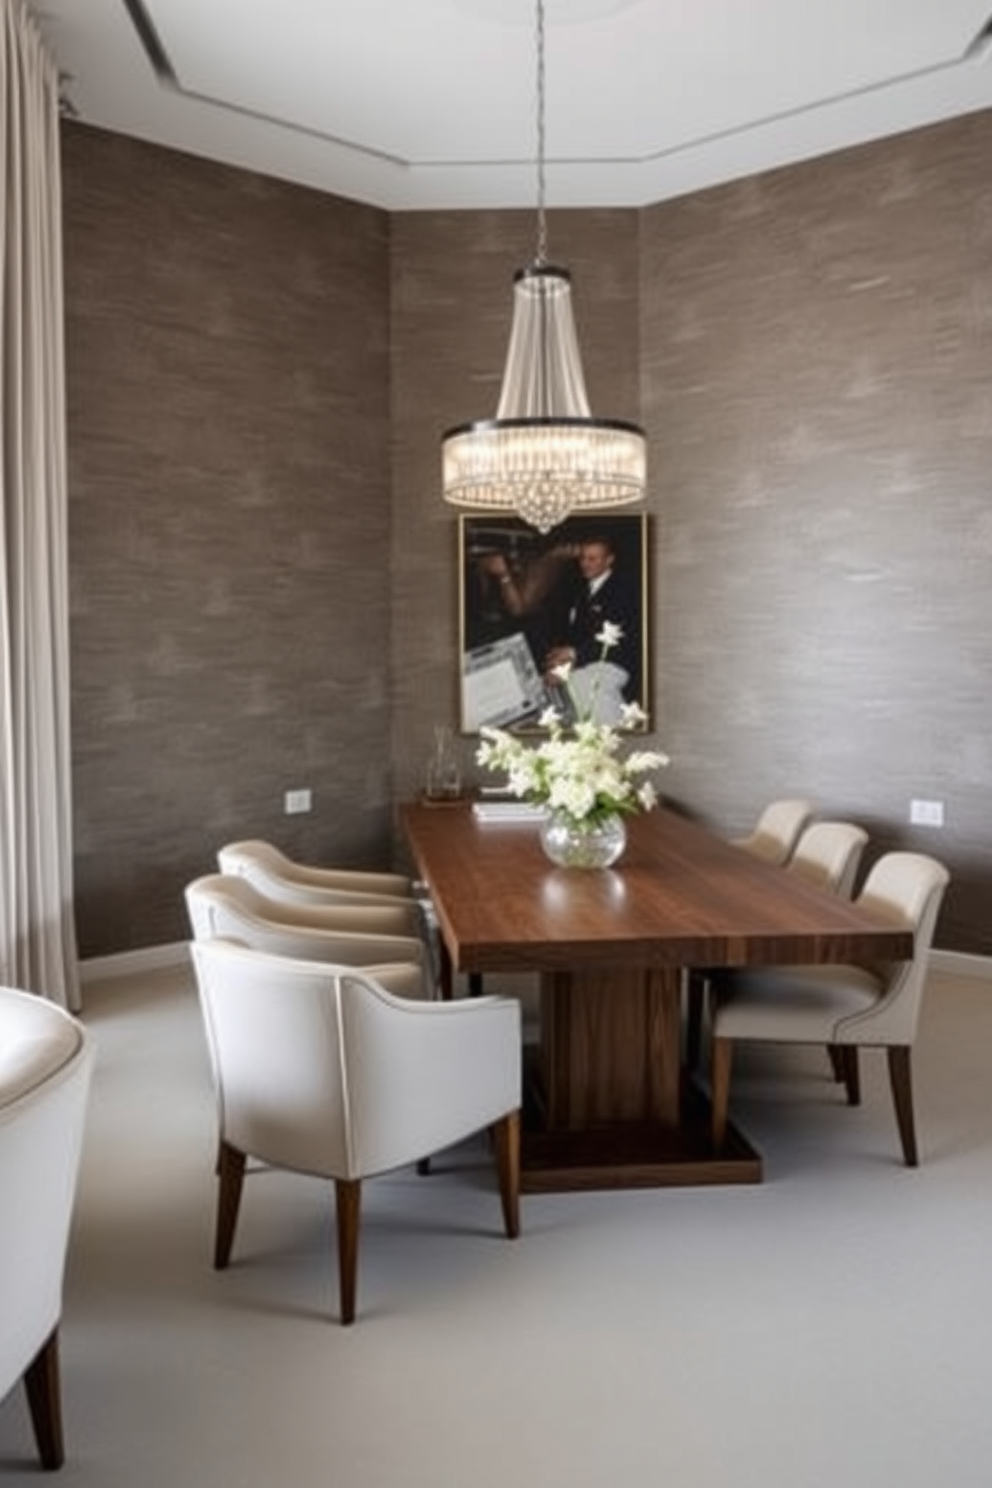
<point x="543" y="375"/>
<point x="543" y="455"/>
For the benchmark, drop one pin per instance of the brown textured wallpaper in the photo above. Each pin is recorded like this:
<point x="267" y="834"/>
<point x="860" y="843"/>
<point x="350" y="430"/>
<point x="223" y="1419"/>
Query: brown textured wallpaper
<point x="264" y="576"/>
<point x="817" y="374"/>
<point x="227" y="343"/>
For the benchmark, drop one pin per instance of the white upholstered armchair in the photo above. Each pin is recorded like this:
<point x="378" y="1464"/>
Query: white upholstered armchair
<point x="320" y="1070"/>
<point x="373" y="936"/>
<point x="45" y="1066"/>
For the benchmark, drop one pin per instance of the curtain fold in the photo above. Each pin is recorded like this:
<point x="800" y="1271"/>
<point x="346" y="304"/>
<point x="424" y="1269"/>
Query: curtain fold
<point x="37" y="932"/>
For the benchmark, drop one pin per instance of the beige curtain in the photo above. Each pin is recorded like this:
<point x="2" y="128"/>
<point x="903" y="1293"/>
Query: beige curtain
<point x="37" y="936"/>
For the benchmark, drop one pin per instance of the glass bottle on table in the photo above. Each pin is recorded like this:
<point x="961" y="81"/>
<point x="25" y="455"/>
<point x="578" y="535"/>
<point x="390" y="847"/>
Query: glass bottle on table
<point x="443" y="776"/>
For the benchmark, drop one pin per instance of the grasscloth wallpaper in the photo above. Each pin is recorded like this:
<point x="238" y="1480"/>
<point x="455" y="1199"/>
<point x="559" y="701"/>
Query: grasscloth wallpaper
<point x="228" y="408"/>
<point x="264" y="585"/>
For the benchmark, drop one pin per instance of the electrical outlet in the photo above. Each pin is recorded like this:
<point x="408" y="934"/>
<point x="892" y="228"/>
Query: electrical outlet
<point x="926" y="813"/>
<point x="297" y="801"/>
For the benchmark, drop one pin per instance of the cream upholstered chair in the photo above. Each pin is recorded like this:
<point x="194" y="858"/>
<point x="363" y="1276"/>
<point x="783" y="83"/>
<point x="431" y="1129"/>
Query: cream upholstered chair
<point x="378" y="936"/>
<point x="777" y="830"/>
<point x="320" y="1070"/>
<point x="774" y="839"/>
<point x="279" y="877"/>
<point x="844" y="1007"/>
<point x="829" y="855"/>
<point x="45" y="1068"/>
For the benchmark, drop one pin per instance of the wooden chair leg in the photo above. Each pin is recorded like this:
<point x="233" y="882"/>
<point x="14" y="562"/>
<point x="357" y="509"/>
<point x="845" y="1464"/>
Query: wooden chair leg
<point x="901" y="1080"/>
<point x="836" y="1062"/>
<point x="721" y="1060"/>
<point x="41" y="1380"/>
<point x="230" y="1180"/>
<point x="850" y="1072"/>
<point x="506" y="1139"/>
<point x="446" y="974"/>
<point x="695" y="999"/>
<point x="348" y="1203"/>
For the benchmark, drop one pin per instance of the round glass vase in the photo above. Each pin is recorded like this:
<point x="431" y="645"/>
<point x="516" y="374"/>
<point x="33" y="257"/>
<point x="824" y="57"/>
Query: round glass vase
<point x="583" y="844"/>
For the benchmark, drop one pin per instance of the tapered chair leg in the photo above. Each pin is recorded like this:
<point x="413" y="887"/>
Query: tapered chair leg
<point x="348" y="1203"/>
<point x="901" y="1080"/>
<point x="695" y="999"/>
<point x="230" y="1180"/>
<point x="506" y="1138"/>
<point x="836" y="1062"/>
<point x="850" y="1072"/>
<point x="41" y="1380"/>
<point x="721" y="1060"/>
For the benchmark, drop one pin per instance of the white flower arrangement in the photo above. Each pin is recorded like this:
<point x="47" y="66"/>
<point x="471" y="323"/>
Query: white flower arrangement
<point x="578" y="771"/>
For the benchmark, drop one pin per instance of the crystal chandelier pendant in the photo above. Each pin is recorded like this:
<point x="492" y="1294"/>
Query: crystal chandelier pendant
<point x="544" y="455"/>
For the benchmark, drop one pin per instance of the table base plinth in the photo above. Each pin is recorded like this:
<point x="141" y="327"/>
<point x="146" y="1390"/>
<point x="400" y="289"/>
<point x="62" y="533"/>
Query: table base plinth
<point x="631" y="1154"/>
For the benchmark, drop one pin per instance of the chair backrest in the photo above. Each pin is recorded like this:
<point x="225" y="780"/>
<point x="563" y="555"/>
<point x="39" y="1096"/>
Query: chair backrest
<point x="778" y="829"/>
<point x="282" y="878"/>
<point x="245" y="857"/>
<point x="45" y="1069"/>
<point x="908" y="889"/>
<point x="828" y="854"/>
<point x="224" y="904"/>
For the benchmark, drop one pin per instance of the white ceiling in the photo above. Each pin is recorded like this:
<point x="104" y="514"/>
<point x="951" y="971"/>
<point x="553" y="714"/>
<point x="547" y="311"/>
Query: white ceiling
<point x="431" y="103"/>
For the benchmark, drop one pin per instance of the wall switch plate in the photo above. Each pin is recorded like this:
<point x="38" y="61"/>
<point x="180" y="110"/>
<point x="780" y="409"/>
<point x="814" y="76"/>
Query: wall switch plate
<point x="926" y="813"/>
<point x="297" y="801"/>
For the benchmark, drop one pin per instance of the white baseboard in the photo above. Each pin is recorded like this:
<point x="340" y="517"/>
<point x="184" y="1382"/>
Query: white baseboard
<point x="133" y="963"/>
<point x="959" y="963"/>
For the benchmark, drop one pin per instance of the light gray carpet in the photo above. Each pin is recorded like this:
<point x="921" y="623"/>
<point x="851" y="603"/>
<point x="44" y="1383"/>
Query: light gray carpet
<point x="832" y="1326"/>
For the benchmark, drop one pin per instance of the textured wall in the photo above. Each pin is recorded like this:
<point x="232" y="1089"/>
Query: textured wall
<point x="229" y="524"/>
<point x="818" y="396"/>
<point x="256" y="372"/>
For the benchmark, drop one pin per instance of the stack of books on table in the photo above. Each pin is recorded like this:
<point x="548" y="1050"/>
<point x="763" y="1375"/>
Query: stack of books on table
<point x="507" y="810"/>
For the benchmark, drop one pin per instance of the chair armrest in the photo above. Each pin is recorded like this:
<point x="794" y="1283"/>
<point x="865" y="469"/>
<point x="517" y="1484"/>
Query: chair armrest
<point x="399" y="917"/>
<point x="401" y="979"/>
<point x="424" y="1075"/>
<point x="353" y="881"/>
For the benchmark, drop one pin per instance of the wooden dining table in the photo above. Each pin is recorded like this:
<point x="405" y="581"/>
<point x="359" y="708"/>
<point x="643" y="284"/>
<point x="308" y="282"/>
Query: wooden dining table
<point x="608" y="1101"/>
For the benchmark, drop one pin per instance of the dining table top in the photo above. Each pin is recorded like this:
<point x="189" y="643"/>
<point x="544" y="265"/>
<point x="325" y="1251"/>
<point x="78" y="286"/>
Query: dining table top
<point x="680" y="896"/>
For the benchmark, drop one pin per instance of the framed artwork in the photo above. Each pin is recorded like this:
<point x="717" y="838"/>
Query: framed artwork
<point x="530" y="601"/>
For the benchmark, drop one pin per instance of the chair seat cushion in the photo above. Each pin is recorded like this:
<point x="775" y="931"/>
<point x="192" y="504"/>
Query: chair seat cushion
<point x="792" y="1004"/>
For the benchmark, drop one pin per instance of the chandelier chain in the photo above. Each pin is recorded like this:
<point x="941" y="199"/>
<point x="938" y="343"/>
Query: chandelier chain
<point x="542" y="227"/>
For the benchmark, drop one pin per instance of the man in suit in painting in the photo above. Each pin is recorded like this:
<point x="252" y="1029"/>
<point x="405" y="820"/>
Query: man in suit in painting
<point x="598" y="592"/>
